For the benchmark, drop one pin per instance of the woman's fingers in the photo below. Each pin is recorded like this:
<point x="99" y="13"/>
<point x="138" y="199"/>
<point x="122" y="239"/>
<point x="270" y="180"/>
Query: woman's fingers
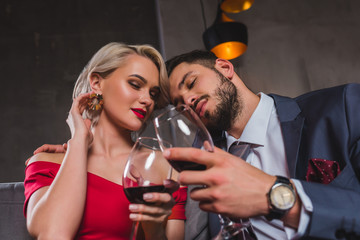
<point x="75" y="120"/>
<point x="80" y="103"/>
<point x="163" y="199"/>
<point x="149" y="210"/>
<point x="87" y="123"/>
<point x="158" y="210"/>
<point x="141" y="212"/>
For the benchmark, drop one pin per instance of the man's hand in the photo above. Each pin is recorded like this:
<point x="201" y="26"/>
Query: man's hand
<point x="50" y="148"/>
<point x="233" y="187"/>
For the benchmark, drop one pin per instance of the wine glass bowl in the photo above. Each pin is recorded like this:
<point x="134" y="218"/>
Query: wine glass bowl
<point x="146" y="170"/>
<point x="182" y="127"/>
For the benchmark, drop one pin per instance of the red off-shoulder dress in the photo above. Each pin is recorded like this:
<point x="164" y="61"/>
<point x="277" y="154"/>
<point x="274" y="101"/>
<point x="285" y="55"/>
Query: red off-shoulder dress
<point x="106" y="213"/>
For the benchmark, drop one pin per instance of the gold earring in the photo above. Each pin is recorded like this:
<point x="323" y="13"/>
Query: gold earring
<point x="95" y="102"/>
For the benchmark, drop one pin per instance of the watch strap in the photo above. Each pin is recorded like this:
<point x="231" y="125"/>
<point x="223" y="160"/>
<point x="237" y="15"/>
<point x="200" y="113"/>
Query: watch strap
<point x="281" y="179"/>
<point x="274" y="212"/>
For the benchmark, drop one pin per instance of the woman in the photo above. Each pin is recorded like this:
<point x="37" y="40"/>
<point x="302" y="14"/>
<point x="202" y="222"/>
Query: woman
<point x="79" y="194"/>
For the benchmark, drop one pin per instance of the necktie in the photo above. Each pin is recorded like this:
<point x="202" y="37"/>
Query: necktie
<point x="240" y="149"/>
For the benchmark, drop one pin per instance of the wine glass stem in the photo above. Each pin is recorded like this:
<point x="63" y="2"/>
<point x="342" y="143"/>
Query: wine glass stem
<point x="229" y="228"/>
<point x="134" y="230"/>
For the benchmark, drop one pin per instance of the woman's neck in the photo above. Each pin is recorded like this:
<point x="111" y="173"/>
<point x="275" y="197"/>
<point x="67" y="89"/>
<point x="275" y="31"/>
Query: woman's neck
<point x="110" y="141"/>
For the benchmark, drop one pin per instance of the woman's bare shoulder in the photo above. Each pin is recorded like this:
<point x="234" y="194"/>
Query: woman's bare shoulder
<point x="47" y="157"/>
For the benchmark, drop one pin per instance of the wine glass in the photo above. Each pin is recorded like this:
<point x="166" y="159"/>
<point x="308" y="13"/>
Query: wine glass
<point x="181" y="127"/>
<point x="145" y="171"/>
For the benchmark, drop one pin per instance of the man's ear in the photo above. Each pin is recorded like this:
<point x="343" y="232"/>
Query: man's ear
<point x="225" y="67"/>
<point x="95" y="80"/>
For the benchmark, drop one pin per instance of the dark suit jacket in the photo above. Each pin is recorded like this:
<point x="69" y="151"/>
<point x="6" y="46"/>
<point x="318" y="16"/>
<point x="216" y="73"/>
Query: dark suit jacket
<point x="323" y="124"/>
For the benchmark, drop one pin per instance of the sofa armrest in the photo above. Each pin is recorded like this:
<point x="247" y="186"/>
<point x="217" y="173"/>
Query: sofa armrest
<point x="12" y="220"/>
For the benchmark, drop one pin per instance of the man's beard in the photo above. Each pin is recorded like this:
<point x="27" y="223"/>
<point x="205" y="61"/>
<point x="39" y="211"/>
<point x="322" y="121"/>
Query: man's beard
<point x="228" y="108"/>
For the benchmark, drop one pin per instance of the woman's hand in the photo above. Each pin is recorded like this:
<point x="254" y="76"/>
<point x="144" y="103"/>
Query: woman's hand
<point x="80" y="127"/>
<point x="157" y="211"/>
<point x="153" y="217"/>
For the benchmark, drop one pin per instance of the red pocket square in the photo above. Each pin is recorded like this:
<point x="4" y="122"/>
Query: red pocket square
<point x="322" y="171"/>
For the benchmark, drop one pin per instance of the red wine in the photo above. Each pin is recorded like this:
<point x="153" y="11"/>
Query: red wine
<point x="135" y="194"/>
<point x="185" y="165"/>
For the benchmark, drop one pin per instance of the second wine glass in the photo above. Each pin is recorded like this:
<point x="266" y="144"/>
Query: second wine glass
<point x="145" y="171"/>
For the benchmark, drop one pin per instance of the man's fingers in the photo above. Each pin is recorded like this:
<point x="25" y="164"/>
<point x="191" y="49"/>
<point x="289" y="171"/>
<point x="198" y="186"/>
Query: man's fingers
<point x="41" y="149"/>
<point x="193" y="178"/>
<point x="209" y="199"/>
<point x="207" y="207"/>
<point x="27" y="161"/>
<point x="202" y="194"/>
<point x="49" y="148"/>
<point x="188" y="154"/>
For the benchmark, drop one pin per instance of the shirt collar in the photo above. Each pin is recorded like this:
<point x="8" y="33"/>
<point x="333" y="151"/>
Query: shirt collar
<point x="256" y="128"/>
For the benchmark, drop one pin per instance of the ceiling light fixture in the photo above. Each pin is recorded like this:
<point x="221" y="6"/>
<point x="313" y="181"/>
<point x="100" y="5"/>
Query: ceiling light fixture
<point x="226" y="38"/>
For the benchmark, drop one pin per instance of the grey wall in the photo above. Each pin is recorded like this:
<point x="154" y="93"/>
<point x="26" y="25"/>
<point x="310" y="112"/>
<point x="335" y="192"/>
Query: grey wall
<point x="44" y="44"/>
<point x="294" y="46"/>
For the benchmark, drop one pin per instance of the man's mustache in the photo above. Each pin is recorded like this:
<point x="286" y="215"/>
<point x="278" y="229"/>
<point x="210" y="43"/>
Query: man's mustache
<point x="198" y="100"/>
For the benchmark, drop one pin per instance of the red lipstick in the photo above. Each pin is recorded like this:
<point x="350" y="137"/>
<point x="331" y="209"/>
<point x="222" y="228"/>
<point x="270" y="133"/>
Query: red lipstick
<point x="140" y="113"/>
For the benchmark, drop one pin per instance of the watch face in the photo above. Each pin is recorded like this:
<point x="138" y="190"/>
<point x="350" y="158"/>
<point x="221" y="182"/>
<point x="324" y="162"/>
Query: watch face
<point x="282" y="197"/>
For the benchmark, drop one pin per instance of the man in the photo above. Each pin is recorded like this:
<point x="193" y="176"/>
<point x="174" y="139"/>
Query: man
<point x="311" y="142"/>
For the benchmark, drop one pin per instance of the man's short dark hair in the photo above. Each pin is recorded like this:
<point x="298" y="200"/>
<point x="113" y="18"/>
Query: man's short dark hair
<point x="204" y="58"/>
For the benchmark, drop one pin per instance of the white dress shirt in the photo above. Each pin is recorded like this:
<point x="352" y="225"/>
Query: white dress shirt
<point x="263" y="132"/>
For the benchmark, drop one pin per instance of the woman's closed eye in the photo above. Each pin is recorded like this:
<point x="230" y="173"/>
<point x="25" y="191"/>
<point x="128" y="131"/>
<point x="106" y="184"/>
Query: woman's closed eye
<point x="135" y="84"/>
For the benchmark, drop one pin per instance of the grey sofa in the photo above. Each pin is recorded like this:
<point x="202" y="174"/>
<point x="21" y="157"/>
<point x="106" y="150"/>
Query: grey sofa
<point x="12" y="220"/>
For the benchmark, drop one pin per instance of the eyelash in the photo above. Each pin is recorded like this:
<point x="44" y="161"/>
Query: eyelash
<point x="134" y="84"/>
<point x="153" y="95"/>
<point x="192" y="83"/>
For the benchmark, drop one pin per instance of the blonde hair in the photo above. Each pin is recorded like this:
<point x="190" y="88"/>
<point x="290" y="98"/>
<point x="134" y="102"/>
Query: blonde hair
<point x="107" y="60"/>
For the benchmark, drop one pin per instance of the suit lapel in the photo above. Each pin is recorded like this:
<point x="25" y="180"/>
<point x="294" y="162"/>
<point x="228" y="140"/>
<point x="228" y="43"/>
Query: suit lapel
<point x="291" y="125"/>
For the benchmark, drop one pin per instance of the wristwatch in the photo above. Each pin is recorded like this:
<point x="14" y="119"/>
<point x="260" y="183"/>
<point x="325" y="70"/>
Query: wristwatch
<point x="281" y="198"/>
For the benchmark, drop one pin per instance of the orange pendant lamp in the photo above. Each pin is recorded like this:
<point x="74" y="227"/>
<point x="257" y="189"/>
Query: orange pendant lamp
<point x="236" y="6"/>
<point x="226" y="38"/>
